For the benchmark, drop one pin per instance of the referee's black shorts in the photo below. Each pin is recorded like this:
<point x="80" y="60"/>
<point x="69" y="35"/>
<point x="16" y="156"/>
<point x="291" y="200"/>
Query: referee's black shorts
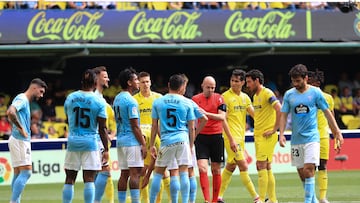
<point x="210" y="146"/>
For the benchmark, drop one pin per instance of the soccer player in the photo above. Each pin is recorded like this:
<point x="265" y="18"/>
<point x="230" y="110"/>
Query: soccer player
<point x="19" y="141"/>
<point x="86" y="114"/>
<point x="145" y="98"/>
<point x="302" y="103"/>
<point x="103" y="180"/>
<point x="209" y="142"/>
<point x="317" y="79"/>
<point x="175" y="115"/>
<point x="238" y="105"/>
<point x="130" y="143"/>
<point x="266" y="123"/>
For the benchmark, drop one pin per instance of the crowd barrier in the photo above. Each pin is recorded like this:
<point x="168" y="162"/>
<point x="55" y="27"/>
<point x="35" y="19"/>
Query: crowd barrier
<point x="48" y="158"/>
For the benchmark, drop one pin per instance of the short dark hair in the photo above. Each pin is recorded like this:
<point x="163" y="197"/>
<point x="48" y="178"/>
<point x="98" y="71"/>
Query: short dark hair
<point x="39" y="82"/>
<point x="317" y="75"/>
<point x="299" y="70"/>
<point x="255" y="73"/>
<point x="176" y="81"/>
<point x="240" y="73"/>
<point x="125" y="75"/>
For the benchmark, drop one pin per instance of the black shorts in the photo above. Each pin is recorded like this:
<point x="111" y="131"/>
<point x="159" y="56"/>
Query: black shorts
<point x="210" y="146"/>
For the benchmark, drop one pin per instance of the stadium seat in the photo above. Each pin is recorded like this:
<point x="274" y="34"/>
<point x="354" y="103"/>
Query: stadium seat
<point x="60" y="113"/>
<point x="354" y="123"/>
<point x="346" y="119"/>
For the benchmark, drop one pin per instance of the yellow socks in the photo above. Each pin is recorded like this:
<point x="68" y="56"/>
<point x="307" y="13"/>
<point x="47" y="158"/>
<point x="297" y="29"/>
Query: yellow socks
<point x="245" y="178"/>
<point x="323" y="183"/>
<point x="225" y="180"/>
<point x="271" y="186"/>
<point x="262" y="183"/>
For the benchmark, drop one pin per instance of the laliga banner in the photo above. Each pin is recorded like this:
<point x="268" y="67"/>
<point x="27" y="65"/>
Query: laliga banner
<point x="200" y="26"/>
<point x="48" y="165"/>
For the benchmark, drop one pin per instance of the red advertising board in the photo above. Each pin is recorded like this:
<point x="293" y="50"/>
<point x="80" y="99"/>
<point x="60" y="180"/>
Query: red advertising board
<point x="350" y="150"/>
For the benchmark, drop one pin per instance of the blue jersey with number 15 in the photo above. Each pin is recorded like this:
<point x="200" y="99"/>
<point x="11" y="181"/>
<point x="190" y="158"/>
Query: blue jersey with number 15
<point x="82" y="109"/>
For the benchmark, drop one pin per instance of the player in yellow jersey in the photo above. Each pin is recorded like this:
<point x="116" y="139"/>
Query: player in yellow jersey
<point x="266" y="123"/>
<point x="103" y="181"/>
<point x="316" y="79"/>
<point x="145" y="98"/>
<point x="238" y="105"/>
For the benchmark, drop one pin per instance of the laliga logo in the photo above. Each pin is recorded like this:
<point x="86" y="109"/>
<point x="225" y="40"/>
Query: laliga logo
<point x="357" y="24"/>
<point x="5" y="170"/>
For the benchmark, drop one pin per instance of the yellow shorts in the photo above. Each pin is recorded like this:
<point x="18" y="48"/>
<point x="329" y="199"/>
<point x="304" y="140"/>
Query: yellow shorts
<point x="232" y="157"/>
<point x="264" y="148"/>
<point x="324" y="148"/>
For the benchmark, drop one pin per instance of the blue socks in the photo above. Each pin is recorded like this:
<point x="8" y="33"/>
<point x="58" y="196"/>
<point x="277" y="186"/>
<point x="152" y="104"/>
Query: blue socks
<point x="185" y="186"/>
<point x="135" y="195"/>
<point x="18" y="184"/>
<point x="174" y="188"/>
<point x="68" y="193"/>
<point x="193" y="188"/>
<point x="100" y="184"/>
<point x="155" y="186"/>
<point x="89" y="192"/>
<point x="309" y="188"/>
<point x="122" y="196"/>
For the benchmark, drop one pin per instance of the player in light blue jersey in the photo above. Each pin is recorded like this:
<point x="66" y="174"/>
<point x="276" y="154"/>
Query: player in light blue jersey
<point x="19" y="141"/>
<point x="302" y="103"/>
<point x="130" y="143"/>
<point x="86" y="115"/>
<point x="175" y="115"/>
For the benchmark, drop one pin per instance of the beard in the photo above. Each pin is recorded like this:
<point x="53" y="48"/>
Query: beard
<point x="105" y="86"/>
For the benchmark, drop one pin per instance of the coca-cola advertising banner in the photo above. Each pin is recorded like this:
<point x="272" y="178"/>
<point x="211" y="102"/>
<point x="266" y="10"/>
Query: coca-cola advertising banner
<point x="99" y="26"/>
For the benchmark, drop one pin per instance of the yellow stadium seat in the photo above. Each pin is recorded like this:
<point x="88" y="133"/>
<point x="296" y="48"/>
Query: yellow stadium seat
<point x="354" y="123"/>
<point x="346" y="119"/>
<point x="60" y="113"/>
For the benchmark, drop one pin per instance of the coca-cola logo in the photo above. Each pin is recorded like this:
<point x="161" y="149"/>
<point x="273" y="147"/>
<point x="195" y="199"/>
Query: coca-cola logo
<point x="273" y="25"/>
<point x="178" y="26"/>
<point x="79" y="26"/>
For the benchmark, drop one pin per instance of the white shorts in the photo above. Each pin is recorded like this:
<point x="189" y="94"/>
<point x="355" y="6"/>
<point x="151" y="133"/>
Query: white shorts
<point x="193" y="164"/>
<point x="87" y="160"/>
<point x="130" y="157"/>
<point x="174" y="155"/>
<point x="20" y="152"/>
<point x="305" y="153"/>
